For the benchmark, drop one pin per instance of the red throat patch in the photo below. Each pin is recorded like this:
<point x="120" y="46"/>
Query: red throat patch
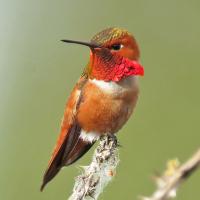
<point x="109" y="67"/>
<point x="127" y="68"/>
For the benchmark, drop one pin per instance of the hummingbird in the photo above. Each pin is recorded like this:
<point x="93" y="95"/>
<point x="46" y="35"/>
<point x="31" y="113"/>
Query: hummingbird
<point x="103" y="98"/>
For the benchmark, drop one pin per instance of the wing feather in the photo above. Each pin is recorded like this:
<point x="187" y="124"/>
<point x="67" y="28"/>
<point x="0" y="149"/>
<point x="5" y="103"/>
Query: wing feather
<point x="69" y="146"/>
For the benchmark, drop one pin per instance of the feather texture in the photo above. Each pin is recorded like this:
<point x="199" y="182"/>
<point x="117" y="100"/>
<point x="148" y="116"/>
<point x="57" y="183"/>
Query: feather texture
<point x="69" y="146"/>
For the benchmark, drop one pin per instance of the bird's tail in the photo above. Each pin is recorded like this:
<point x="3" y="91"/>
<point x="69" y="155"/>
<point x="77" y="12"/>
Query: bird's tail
<point x="72" y="148"/>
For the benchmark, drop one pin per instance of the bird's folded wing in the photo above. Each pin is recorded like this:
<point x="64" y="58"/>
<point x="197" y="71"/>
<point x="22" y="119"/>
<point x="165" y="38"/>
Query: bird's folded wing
<point x="69" y="146"/>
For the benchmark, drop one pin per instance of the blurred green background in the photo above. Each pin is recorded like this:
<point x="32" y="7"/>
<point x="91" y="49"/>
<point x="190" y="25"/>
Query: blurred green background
<point x="37" y="73"/>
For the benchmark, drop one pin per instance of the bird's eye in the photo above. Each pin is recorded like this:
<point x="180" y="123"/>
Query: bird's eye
<point x="116" y="47"/>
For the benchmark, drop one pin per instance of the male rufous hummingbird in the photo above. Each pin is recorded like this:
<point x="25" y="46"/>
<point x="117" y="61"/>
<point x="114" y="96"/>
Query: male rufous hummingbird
<point x="102" y="100"/>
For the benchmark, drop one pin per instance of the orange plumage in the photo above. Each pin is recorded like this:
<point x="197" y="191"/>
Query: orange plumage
<point x="102" y="100"/>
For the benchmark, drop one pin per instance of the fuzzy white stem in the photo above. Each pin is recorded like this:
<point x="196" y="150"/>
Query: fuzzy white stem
<point x="97" y="175"/>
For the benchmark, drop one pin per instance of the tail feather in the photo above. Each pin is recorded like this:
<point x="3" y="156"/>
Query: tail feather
<point x="53" y="169"/>
<point x="78" y="151"/>
<point x="71" y="150"/>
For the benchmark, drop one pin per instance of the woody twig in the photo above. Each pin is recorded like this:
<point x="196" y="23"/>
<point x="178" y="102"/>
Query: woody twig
<point x="175" y="174"/>
<point x="99" y="173"/>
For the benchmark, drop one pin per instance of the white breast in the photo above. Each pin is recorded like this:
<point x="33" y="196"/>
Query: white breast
<point x="129" y="83"/>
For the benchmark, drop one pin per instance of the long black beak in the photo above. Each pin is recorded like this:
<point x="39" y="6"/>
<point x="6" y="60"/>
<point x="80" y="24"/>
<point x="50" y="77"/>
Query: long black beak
<point x="92" y="46"/>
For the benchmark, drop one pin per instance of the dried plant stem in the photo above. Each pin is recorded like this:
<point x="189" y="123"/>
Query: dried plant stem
<point x="173" y="177"/>
<point x="97" y="175"/>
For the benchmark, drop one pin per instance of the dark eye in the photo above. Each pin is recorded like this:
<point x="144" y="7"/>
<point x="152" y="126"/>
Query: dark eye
<point x="116" y="47"/>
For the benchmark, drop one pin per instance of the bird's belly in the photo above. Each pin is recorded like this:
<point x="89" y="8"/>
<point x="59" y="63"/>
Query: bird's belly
<point x="105" y="112"/>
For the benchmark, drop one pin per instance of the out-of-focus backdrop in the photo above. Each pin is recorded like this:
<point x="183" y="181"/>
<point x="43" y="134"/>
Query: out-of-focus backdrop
<point x="37" y="73"/>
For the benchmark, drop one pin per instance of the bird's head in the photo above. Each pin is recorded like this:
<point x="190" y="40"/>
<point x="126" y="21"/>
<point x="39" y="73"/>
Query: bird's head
<point x="114" y="55"/>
